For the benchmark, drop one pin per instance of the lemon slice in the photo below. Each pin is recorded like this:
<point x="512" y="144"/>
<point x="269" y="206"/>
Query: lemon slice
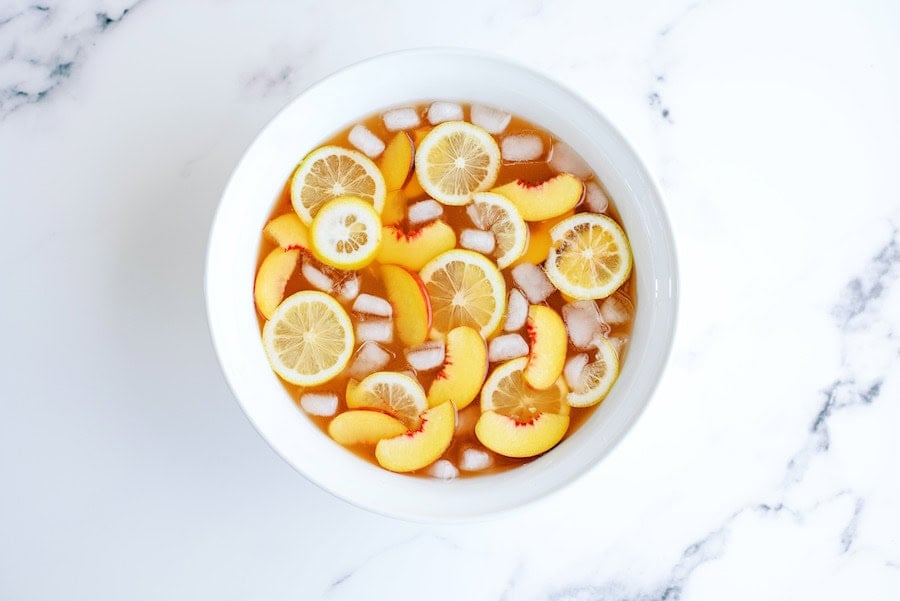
<point x="391" y="392"/>
<point x="597" y="378"/>
<point x="589" y="257"/>
<point x="455" y="160"/>
<point x="495" y="213"/>
<point x="345" y="233"/>
<point x="506" y="392"/>
<point x="331" y="171"/>
<point x="466" y="289"/>
<point x="308" y="339"/>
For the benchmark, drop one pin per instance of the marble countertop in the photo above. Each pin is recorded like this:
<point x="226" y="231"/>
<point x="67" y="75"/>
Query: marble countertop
<point x="766" y="464"/>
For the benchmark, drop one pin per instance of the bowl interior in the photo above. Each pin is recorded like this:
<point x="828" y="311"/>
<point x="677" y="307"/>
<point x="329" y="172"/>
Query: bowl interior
<point x="339" y="101"/>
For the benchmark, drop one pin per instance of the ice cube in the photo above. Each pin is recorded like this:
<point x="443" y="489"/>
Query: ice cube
<point x="319" y="403"/>
<point x="564" y="159"/>
<point x="490" y="119"/>
<point x="443" y="470"/>
<point x="348" y="288"/>
<point x="478" y="240"/>
<point x="439" y="112"/>
<point x="583" y="323"/>
<point x="516" y="311"/>
<point x="521" y="147"/>
<point x="316" y="277"/>
<point x="616" y="309"/>
<point x="618" y="343"/>
<point x="595" y="197"/>
<point x="574" y="370"/>
<point x="401" y="118"/>
<point x="506" y="347"/>
<point x="375" y="330"/>
<point x="532" y="280"/>
<point x="368" y="304"/>
<point x="474" y="460"/>
<point x="365" y="141"/>
<point x="424" y="211"/>
<point x="370" y="357"/>
<point x="427" y="356"/>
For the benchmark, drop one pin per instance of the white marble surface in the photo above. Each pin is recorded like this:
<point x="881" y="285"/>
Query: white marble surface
<point x="766" y="465"/>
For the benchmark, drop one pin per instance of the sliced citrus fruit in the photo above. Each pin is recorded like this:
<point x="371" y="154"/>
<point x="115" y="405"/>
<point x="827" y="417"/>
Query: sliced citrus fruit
<point x="391" y="392"/>
<point x="597" y="378"/>
<point x="345" y="233"/>
<point x="496" y="213"/>
<point x="331" y="171"/>
<point x="466" y="289"/>
<point x="589" y="257"/>
<point x="455" y="160"/>
<point x="309" y="338"/>
<point x="506" y="392"/>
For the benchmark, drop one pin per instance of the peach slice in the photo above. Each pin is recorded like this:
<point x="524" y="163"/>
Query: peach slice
<point x="465" y="367"/>
<point x="397" y="161"/>
<point x="412" y="250"/>
<point x="546" y="200"/>
<point x="273" y="275"/>
<point x="395" y="208"/>
<point x="507" y="436"/>
<point x="415" y="450"/>
<point x="362" y="426"/>
<point x="548" y="342"/>
<point x="288" y="232"/>
<point x="539" y="240"/>
<point x="409" y="299"/>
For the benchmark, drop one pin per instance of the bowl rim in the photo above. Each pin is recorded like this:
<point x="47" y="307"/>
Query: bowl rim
<point x="673" y="296"/>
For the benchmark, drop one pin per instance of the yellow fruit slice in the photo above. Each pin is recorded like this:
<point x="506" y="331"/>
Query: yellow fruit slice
<point x="548" y="342"/>
<point x="466" y="289"/>
<point x="272" y="278"/>
<point x="597" y="379"/>
<point x="464" y="369"/>
<point x="415" y="450"/>
<point x="392" y="392"/>
<point x="362" y="426"/>
<point x="590" y="256"/>
<point x="346" y="233"/>
<point x="455" y="160"/>
<point x="506" y="392"/>
<point x="506" y="436"/>
<point x="309" y="338"/>
<point x="495" y="213"/>
<point x="539" y="241"/>
<point x="331" y="171"/>
<point x="288" y="232"/>
<point x="396" y="161"/>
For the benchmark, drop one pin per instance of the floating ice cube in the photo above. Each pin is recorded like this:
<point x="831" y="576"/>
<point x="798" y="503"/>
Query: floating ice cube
<point x="583" y="323"/>
<point x="618" y="343"/>
<point x="369" y="358"/>
<point x="595" y="197"/>
<point x="475" y="216"/>
<point x="443" y="470"/>
<point x="574" y="370"/>
<point x="368" y="304"/>
<point x="439" y="112"/>
<point x="516" y="311"/>
<point x="365" y="141"/>
<point x="474" y="460"/>
<point x="478" y="240"/>
<point x="532" y="280"/>
<point x="506" y="347"/>
<point x="616" y="309"/>
<point x="521" y="147"/>
<point x="424" y="211"/>
<point x="564" y="159"/>
<point x="401" y="118"/>
<point x="319" y="403"/>
<point x="348" y="288"/>
<point x="316" y="277"/>
<point x="375" y="330"/>
<point x="427" y="356"/>
<point x="490" y="119"/>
